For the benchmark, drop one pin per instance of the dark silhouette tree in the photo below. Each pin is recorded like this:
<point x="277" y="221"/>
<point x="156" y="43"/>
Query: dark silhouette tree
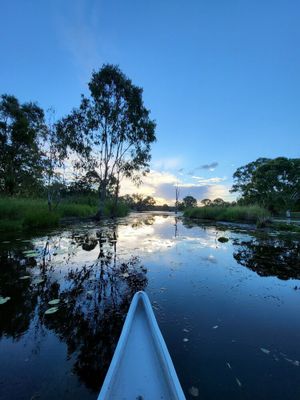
<point x="189" y="201"/>
<point x="21" y="126"/>
<point x="272" y="183"/>
<point x="206" y="202"/>
<point x="111" y="132"/>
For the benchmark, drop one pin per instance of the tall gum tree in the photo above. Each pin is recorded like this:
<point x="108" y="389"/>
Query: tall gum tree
<point x="111" y="132"/>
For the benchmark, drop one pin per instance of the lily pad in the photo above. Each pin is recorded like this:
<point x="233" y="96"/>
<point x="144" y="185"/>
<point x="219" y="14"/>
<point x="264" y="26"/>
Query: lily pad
<point x="238" y="382"/>
<point x="266" y="351"/>
<point x="51" y="310"/>
<point x="194" y="391"/>
<point x="30" y="254"/>
<point x="4" y="300"/>
<point x="54" y="302"/>
<point x="39" y="281"/>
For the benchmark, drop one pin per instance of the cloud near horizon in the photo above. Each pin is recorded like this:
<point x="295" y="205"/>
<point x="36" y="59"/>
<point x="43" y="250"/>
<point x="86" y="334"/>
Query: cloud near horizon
<point x="161" y="185"/>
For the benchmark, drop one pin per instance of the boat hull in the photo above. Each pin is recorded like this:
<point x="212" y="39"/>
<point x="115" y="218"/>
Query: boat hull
<point x="141" y="367"/>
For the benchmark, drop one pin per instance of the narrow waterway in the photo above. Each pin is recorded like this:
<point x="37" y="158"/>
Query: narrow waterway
<point x="229" y="311"/>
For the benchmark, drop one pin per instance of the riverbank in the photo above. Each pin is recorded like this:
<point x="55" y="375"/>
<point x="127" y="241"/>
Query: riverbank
<point x="252" y="214"/>
<point x="17" y="214"/>
<point x="242" y="214"/>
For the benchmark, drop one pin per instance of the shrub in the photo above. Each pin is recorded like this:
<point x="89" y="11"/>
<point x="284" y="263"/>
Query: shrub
<point x="234" y="213"/>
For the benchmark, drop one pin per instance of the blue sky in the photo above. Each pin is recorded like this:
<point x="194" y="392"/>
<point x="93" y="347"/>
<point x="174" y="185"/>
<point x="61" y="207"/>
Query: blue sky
<point x="220" y="77"/>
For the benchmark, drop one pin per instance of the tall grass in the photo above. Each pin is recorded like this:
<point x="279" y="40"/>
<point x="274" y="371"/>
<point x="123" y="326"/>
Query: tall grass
<point x="252" y="213"/>
<point x="19" y="214"/>
<point x="113" y="210"/>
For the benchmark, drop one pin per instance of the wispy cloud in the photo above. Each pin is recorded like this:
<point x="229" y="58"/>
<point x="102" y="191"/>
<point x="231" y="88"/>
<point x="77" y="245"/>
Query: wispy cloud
<point x="208" y="181"/>
<point x="78" y="31"/>
<point x="168" y="163"/>
<point x="208" y="167"/>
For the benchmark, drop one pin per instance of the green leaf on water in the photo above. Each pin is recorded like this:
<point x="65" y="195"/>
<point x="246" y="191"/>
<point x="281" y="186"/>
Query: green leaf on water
<point x="6" y="241"/>
<point x="39" y="281"/>
<point x="51" y="310"/>
<point x="238" y="382"/>
<point x="194" y="391"/>
<point x="4" y="300"/>
<point x="30" y="254"/>
<point x="53" y="302"/>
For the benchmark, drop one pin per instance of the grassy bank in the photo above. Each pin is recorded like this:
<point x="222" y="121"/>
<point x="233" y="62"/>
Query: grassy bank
<point x="21" y="214"/>
<point x="231" y="214"/>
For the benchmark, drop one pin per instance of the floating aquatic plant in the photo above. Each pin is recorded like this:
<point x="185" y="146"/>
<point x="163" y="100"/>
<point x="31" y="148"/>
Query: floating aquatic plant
<point x="4" y="300"/>
<point x="54" y="301"/>
<point x="51" y="310"/>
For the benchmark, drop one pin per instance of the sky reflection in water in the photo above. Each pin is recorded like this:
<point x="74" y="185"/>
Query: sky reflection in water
<point x="229" y="312"/>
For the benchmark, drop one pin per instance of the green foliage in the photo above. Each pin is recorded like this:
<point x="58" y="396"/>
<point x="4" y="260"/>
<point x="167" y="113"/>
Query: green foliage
<point x="189" y="201"/>
<point x="271" y="183"/>
<point x="111" y="209"/>
<point x="111" y="131"/>
<point x="21" y="126"/>
<point x="286" y="227"/>
<point x="206" y="202"/>
<point x="139" y="203"/>
<point x="234" y="213"/>
<point x="10" y="225"/>
<point x="17" y="213"/>
<point x="40" y="218"/>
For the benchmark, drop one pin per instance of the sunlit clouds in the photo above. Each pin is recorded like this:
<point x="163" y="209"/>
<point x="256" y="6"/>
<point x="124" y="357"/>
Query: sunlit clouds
<point x="161" y="185"/>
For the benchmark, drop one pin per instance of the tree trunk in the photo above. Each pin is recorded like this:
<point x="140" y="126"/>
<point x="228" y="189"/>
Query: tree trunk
<point x="49" y="200"/>
<point x="102" y="198"/>
<point x="116" y="199"/>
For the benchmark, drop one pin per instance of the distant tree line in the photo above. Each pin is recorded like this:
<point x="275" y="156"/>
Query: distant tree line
<point x="190" y="202"/>
<point x="273" y="184"/>
<point x="107" y="138"/>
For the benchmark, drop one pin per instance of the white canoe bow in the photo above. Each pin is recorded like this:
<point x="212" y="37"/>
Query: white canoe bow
<point x="141" y="368"/>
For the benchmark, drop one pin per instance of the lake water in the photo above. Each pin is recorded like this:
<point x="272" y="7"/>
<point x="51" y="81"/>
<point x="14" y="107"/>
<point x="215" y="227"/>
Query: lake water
<point x="229" y="312"/>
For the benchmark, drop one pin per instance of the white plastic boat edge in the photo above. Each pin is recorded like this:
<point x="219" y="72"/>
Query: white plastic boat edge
<point x="161" y="347"/>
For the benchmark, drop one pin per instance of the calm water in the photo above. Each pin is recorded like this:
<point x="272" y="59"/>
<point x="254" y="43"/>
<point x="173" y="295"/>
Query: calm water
<point x="229" y="312"/>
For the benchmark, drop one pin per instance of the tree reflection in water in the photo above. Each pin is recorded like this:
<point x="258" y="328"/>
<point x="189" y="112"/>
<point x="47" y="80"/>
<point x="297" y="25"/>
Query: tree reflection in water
<point x="270" y="257"/>
<point x="94" y="299"/>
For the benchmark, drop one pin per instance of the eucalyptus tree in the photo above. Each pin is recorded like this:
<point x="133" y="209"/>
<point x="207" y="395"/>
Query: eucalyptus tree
<point x="21" y="126"/>
<point x="272" y="183"/>
<point x="111" y="132"/>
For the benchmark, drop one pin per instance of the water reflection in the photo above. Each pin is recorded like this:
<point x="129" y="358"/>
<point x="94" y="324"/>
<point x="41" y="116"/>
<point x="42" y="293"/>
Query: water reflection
<point x="270" y="257"/>
<point x="94" y="297"/>
<point x="195" y="282"/>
